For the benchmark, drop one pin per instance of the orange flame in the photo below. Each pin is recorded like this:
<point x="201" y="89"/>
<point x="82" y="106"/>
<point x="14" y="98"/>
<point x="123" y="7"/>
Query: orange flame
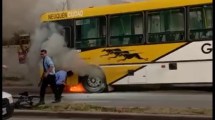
<point x="76" y="88"/>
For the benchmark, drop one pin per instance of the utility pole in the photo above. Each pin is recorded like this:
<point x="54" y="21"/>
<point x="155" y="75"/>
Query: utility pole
<point x="67" y="5"/>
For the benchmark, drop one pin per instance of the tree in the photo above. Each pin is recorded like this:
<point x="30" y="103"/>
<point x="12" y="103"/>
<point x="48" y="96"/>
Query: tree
<point x="15" y="40"/>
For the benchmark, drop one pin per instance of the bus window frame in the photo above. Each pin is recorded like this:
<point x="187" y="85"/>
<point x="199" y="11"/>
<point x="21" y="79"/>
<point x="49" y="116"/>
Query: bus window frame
<point x="143" y="30"/>
<point x="75" y="36"/>
<point x="145" y="35"/>
<point x="71" y="26"/>
<point x="206" y="13"/>
<point x="70" y="36"/>
<point x="164" y="9"/>
<point x="188" y="18"/>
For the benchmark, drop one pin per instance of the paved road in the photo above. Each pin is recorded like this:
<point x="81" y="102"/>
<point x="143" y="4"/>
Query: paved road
<point x="156" y="99"/>
<point x="165" y="98"/>
<point x="178" y="99"/>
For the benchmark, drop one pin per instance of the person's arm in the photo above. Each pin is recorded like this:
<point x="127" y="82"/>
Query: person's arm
<point x="57" y="77"/>
<point x="65" y="78"/>
<point x="50" y="69"/>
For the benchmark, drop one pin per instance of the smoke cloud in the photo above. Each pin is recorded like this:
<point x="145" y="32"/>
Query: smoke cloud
<point x="48" y="37"/>
<point x="25" y="14"/>
<point x="64" y="58"/>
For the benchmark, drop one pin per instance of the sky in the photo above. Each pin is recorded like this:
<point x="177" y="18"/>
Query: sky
<point x="24" y="14"/>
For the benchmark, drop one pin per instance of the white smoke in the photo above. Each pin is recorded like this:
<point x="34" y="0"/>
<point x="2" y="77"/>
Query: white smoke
<point x="64" y="58"/>
<point x="33" y="10"/>
<point x="14" y="19"/>
<point x="48" y="37"/>
<point x="33" y="58"/>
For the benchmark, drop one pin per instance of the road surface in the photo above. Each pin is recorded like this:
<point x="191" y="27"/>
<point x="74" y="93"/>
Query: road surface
<point x="161" y="98"/>
<point x="175" y="99"/>
<point x="156" y="99"/>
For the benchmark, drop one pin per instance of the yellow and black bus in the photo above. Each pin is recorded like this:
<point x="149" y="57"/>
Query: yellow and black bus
<point x="149" y="42"/>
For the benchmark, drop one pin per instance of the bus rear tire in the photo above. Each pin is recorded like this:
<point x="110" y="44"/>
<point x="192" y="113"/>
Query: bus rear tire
<point x="95" y="81"/>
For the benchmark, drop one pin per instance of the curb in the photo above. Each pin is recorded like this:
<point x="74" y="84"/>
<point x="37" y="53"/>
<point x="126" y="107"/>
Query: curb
<point x="107" y="115"/>
<point x="30" y="89"/>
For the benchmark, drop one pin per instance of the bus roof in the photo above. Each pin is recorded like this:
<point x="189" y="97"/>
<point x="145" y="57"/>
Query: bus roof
<point x="119" y="8"/>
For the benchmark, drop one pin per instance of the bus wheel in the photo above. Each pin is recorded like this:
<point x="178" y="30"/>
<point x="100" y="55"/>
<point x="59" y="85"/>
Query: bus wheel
<point x="95" y="81"/>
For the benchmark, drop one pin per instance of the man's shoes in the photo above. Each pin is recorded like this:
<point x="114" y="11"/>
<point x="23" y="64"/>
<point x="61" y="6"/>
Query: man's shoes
<point x="56" y="101"/>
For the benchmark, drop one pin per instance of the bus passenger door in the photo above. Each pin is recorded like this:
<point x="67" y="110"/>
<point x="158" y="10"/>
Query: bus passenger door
<point x="138" y="76"/>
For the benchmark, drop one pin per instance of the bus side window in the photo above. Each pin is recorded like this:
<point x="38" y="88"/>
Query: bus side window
<point x="67" y="32"/>
<point x="91" y="32"/>
<point x="166" y="25"/>
<point x="126" y="29"/>
<point x="200" y="22"/>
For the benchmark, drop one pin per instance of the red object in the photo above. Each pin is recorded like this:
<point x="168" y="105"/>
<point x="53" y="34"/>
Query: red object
<point x="22" y="57"/>
<point x="22" y="54"/>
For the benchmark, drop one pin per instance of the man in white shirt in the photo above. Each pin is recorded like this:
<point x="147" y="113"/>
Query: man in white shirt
<point x="48" y="77"/>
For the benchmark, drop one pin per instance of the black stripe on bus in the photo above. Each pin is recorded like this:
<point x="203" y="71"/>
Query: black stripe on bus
<point x="200" y="60"/>
<point x="126" y="75"/>
<point x="171" y="51"/>
<point x="144" y="44"/>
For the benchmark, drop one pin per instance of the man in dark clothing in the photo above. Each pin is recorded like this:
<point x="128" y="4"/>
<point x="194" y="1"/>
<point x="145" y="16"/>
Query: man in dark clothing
<point x="48" y="77"/>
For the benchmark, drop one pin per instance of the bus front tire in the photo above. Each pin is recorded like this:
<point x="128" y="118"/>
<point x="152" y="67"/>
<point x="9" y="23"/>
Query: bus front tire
<point x="95" y="82"/>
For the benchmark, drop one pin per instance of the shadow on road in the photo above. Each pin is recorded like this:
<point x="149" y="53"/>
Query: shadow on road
<point x="138" y="88"/>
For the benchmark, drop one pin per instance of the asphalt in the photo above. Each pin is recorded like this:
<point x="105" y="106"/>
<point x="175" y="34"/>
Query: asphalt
<point x="106" y="115"/>
<point x="175" y="99"/>
<point x="35" y="89"/>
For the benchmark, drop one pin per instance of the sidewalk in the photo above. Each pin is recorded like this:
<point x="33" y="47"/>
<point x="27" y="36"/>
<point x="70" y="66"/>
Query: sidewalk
<point x="107" y="115"/>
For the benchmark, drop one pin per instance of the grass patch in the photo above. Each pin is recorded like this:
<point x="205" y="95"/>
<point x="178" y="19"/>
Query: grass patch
<point x="148" y="110"/>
